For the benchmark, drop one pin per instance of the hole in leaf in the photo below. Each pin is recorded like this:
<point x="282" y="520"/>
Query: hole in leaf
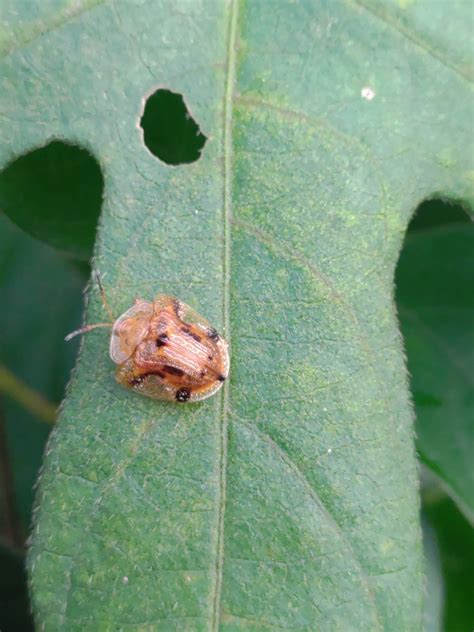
<point x="436" y="212"/>
<point x="434" y="263"/>
<point x="54" y="193"/>
<point x="169" y="131"/>
<point x="434" y="281"/>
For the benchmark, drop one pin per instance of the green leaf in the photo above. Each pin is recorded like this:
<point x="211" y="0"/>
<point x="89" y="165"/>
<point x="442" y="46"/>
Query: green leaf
<point x="41" y="298"/>
<point x="455" y="537"/>
<point x="434" y="282"/>
<point x="434" y="588"/>
<point x="290" y="500"/>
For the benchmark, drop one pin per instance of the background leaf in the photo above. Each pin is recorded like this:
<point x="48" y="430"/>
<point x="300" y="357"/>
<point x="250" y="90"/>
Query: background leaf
<point x="41" y="298"/>
<point x="291" y="499"/>
<point x="55" y="194"/>
<point x="435" y="277"/>
<point x="455" y="540"/>
<point x="434" y="588"/>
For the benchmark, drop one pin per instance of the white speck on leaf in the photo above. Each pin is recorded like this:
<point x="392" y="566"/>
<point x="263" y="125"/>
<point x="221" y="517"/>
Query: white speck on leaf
<point x="329" y="450"/>
<point x="125" y="580"/>
<point x="367" y="93"/>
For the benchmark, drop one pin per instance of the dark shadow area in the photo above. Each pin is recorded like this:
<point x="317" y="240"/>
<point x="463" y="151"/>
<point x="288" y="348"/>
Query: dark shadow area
<point x="14" y="606"/>
<point x="169" y="131"/>
<point x="54" y="193"/>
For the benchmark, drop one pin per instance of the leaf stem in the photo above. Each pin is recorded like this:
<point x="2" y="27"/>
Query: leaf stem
<point x="30" y="399"/>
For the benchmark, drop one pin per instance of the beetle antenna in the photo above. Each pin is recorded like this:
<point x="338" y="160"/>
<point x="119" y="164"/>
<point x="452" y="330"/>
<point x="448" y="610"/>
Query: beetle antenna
<point x="105" y="303"/>
<point x="84" y="330"/>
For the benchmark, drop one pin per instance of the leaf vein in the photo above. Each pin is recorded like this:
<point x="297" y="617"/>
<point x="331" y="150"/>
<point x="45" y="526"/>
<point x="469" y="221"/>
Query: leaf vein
<point x="39" y="29"/>
<point x="227" y="209"/>
<point x="414" y="38"/>
<point x="315" y="497"/>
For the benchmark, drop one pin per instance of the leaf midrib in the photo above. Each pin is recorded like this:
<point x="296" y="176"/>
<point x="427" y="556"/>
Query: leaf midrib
<point x="227" y="225"/>
<point x="227" y="207"/>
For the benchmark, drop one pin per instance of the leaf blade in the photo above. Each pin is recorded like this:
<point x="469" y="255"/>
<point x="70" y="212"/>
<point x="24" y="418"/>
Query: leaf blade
<point x="318" y="209"/>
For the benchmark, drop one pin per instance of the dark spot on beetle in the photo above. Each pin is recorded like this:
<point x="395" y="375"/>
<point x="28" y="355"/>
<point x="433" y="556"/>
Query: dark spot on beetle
<point x="212" y="334"/>
<point x="196" y="337"/>
<point x="185" y="330"/>
<point x="139" y="379"/>
<point x="172" y="370"/>
<point x="183" y="394"/>
<point x="202" y="373"/>
<point x="221" y="378"/>
<point x="136" y="381"/>
<point x="160" y="341"/>
<point x="210" y="358"/>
